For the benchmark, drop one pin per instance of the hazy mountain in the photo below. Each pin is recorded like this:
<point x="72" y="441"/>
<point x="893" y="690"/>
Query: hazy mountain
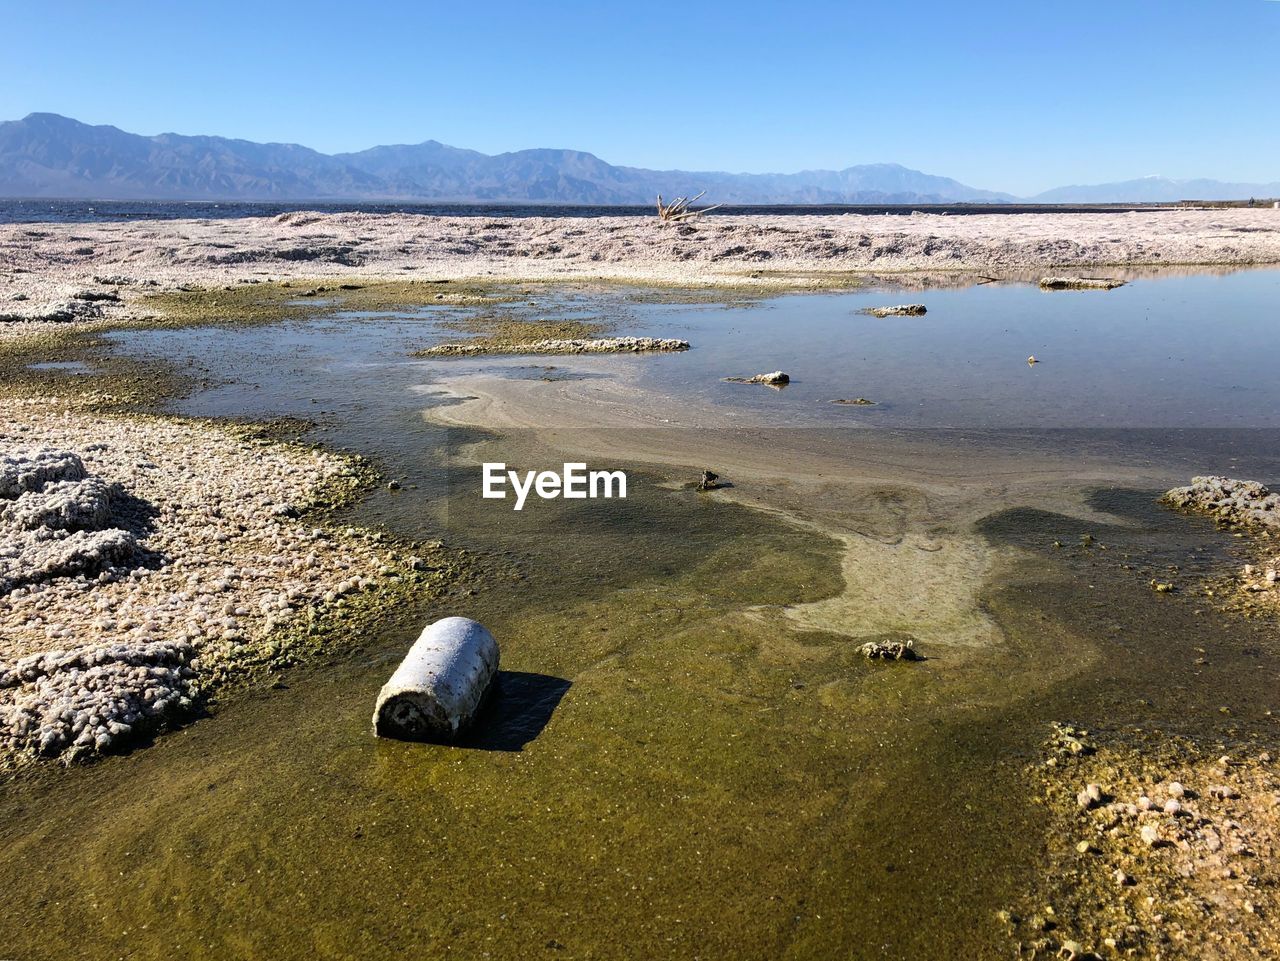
<point x="1156" y="190"/>
<point x="45" y="155"/>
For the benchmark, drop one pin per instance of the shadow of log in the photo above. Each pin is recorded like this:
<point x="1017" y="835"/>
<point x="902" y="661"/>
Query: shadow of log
<point x="517" y="709"/>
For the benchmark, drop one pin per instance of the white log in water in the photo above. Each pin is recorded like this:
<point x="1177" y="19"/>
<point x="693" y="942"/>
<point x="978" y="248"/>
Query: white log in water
<point x="441" y="683"/>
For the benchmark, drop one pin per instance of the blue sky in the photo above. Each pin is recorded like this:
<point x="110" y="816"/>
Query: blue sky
<point x="1018" y="96"/>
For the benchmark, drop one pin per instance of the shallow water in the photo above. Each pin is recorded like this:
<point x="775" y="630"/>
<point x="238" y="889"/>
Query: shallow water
<point x="677" y="765"/>
<point x="1186" y="351"/>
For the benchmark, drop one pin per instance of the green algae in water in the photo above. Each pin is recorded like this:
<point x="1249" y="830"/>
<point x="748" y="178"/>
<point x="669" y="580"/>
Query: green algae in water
<point x="696" y="789"/>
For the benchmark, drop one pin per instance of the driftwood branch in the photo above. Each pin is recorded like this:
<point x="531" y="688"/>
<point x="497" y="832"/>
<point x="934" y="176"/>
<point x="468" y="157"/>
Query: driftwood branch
<point x="678" y="210"/>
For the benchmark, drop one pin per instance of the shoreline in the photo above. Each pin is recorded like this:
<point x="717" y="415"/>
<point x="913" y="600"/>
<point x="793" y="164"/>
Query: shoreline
<point x="70" y="274"/>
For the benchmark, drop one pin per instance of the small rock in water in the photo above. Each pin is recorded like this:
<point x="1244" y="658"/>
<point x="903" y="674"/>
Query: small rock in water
<point x="899" y="310"/>
<point x="889" y="650"/>
<point x="855" y="402"/>
<point x="1079" y="283"/>
<point x="773" y="379"/>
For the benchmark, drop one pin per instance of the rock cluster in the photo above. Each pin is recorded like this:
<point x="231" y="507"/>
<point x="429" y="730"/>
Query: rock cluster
<point x="1159" y="852"/>
<point x="1231" y="501"/>
<point x="602" y="345"/>
<point x="1262" y="577"/>
<point x="54" y="520"/>
<point x="889" y="650"/>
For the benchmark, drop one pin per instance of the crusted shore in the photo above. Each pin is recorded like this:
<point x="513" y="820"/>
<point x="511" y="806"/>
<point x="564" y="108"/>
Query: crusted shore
<point x="147" y="560"/>
<point x="66" y="273"/>
<point x="1253" y="510"/>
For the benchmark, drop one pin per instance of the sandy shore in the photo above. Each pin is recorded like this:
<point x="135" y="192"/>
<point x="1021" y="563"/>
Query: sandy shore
<point x="55" y="273"/>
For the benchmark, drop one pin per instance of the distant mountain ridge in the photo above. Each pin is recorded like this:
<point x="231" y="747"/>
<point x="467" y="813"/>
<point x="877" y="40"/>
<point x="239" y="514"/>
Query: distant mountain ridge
<point x="49" y="156"/>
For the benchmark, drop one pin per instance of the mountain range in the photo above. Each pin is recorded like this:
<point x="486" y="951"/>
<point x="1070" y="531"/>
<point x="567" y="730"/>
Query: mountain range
<point x="50" y="156"/>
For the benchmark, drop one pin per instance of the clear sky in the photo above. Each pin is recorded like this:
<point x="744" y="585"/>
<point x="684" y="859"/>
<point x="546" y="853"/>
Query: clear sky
<point x="1018" y="96"/>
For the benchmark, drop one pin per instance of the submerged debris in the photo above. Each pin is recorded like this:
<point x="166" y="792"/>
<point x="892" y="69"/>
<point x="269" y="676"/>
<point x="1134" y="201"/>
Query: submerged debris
<point x="774" y="379"/>
<point x="889" y="650"/>
<point x="900" y="310"/>
<point x="601" y="345"/>
<point x="710" y="481"/>
<point x="1080" y="283"/>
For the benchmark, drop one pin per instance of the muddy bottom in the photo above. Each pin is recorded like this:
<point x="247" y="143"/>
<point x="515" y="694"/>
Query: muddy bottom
<point x="686" y="757"/>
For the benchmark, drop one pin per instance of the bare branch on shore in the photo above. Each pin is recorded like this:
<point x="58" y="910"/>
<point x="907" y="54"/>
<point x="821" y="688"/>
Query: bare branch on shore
<point x="678" y="210"/>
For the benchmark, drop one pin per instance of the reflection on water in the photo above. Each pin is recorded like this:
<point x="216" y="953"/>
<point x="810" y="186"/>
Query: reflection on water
<point x="1181" y="351"/>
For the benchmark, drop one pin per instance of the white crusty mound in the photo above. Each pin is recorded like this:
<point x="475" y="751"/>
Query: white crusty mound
<point x="138" y="558"/>
<point x="54" y="520"/>
<point x="603" y="345"/>
<point x="1230" y="500"/>
<point x="89" y="700"/>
